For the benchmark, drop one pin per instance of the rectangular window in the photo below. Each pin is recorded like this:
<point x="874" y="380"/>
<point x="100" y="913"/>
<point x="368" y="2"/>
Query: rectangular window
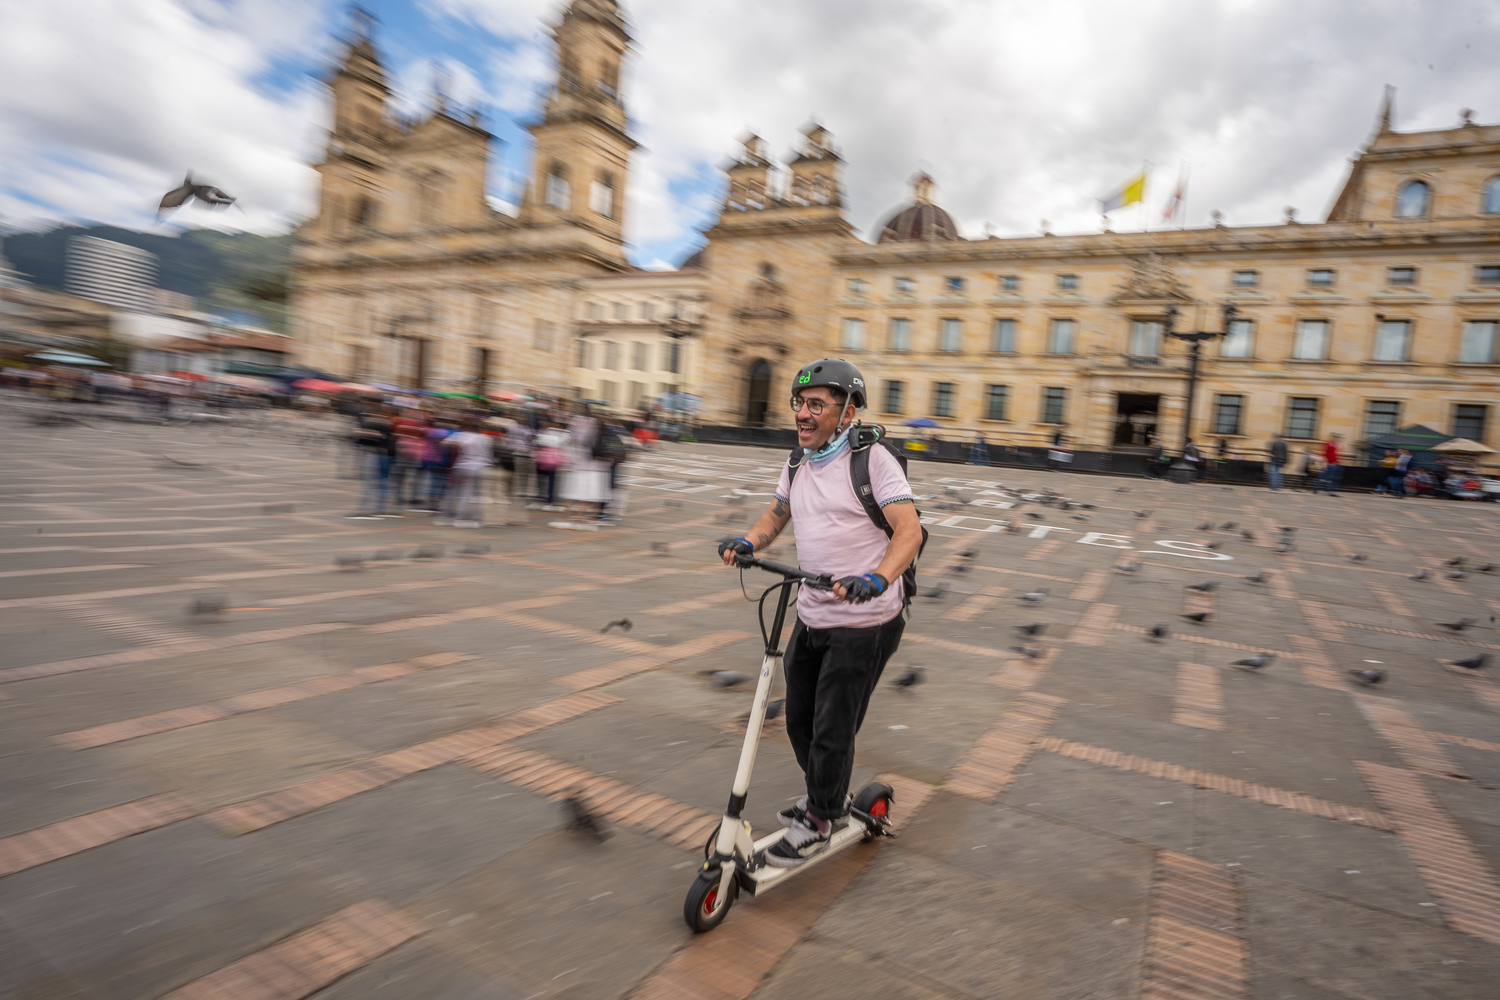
<point x="942" y="399"/>
<point x="1478" y="344"/>
<point x="648" y="311"/>
<point x="1487" y="274"/>
<point x="1401" y="275"/>
<point x="893" y="400"/>
<point x="1145" y="338"/>
<point x="906" y="286"/>
<point x="1381" y="417"/>
<point x="1311" y="343"/>
<point x="596" y="310"/>
<point x="950" y="335"/>
<point x="622" y="310"/>
<point x="1054" y="405"/>
<point x="1320" y="277"/>
<point x="1237" y="340"/>
<point x="602" y="199"/>
<point x="1060" y="338"/>
<point x="1391" y="339"/>
<point x="995" y="400"/>
<point x="1010" y="283"/>
<point x="1003" y="337"/>
<point x="638" y="359"/>
<point x="1245" y="279"/>
<point x="856" y="286"/>
<point x="1227" y="412"/>
<point x="954" y="285"/>
<point x="854" y="335"/>
<point x="1302" y="418"/>
<point x="1067" y="282"/>
<point x="672" y="357"/>
<point x="557" y="191"/>
<point x="900" y="335"/>
<point x="608" y="391"/>
<point x="585" y="350"/>
<point x="1469" y="421"/>
<point x="634" y="394"/>
<point x="611" y="356"/>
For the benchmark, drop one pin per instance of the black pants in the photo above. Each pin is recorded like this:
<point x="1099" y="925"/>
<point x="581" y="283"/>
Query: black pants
<point x="830" y="675"/>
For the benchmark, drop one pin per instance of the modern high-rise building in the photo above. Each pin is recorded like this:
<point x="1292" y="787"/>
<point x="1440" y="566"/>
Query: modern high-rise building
<point x="117" y="275"/>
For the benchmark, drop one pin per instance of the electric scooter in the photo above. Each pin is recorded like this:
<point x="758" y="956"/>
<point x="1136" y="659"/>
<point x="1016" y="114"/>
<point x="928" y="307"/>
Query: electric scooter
<point x="733" y="860"/>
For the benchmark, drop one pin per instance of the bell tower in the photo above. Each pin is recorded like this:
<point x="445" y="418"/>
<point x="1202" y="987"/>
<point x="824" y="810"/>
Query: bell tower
<point x="357" y="147"/>
<point x="582" y="148"/>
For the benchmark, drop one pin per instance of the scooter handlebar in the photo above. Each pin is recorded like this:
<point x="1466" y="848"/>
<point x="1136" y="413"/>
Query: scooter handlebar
<point x="814" y="580"/>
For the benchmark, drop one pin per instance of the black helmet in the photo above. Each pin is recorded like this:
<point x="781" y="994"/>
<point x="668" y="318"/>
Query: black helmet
<point x="835" y="373"/>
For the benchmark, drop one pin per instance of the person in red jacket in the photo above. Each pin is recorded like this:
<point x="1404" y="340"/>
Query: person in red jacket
<point x="1333" y="470"/>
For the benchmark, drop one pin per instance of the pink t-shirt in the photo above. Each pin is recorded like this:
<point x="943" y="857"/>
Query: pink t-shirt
<point x="836" y="536"/>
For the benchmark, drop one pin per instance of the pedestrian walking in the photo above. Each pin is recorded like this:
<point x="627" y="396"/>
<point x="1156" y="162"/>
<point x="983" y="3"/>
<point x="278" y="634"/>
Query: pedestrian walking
<point x="377" y="445"/>
<point x="471" y="454"/>
<point x="1277" y="452"/>
<point x="1333" y="469"/>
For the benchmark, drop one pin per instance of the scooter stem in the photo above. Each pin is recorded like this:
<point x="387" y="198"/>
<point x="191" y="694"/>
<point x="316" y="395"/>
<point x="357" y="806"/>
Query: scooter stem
<point x="741" y="785"/>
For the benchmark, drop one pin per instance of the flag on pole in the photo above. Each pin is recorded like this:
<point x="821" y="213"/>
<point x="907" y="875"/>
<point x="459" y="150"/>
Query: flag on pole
<point x="1178" y="197"/>
<point x="1133" y="191"/>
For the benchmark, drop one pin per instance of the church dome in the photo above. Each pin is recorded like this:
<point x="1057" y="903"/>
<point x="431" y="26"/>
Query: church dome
<point x="921" y="220"/>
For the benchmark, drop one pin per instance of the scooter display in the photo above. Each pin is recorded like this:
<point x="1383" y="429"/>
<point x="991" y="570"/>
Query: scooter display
<point x="733" y="859"/>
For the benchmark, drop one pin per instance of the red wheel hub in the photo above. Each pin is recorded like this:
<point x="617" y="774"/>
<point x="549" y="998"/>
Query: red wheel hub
<point x="709" y="900"/>
<point x="879" y="809"/>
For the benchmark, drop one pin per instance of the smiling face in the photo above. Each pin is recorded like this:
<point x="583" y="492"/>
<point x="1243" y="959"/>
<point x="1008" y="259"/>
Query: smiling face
<point x="814" y="431"/>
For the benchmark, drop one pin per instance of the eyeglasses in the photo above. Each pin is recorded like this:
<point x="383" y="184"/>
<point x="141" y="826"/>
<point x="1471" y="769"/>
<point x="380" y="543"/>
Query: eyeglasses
<point x="815" y="407"/>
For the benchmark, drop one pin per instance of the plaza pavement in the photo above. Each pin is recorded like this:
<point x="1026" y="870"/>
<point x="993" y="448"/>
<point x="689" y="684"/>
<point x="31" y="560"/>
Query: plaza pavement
<point x="347" y="783"/>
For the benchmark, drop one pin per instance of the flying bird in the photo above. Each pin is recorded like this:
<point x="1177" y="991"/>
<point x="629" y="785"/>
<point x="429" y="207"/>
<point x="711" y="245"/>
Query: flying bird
<point x="1196" y="616"/>
<point x="912" y="677"/>
<point x="1473" y="662"/>
<point x="1254" y="662"/>
<point x="1367" y="678"/>
<point x="623" y="624"/>
<point x="207" y="194"/>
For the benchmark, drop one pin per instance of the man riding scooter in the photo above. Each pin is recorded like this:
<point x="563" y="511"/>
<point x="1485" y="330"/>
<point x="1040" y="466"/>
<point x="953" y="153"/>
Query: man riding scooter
<point x="845" y="636"/>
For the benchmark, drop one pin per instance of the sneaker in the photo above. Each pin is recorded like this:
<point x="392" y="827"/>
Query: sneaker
<point x="793" y="813"/>
<point x="803" y="839"/>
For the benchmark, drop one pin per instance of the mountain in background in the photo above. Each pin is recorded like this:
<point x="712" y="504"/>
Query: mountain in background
<point x="225" y="272"/>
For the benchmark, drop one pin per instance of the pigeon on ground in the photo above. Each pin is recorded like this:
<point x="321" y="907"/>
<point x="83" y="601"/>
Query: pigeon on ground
<point x="1247" y="535"/>
<point x="428" y="552"/>
<point x="1207" y="587"/>
<point x="1212" y="546"/>
<point x="1143" y="513"/>
<point x="1205" y="526"/>
<point x="1486" y="568"/>
<point x="1473" y="662"/>
<point x="208" y="604"/>
<point x="1035" y="628"/>
<point x="474" y="549"/>
<point x="774" y="709"/>
<point x="659" y="548"/>
<point x="1080" y="517"/>
<point x="959" y="568"/>
<point x="1283" y="549"/>
<point x="1034" y="596"/>
<point x="1258" y="577"/>
<point x="580" y="818"/>
<point x="937" y="591"/>
<point x="1158" y="632"/>
<point x="1287" y="529"/>
<point x="912" y="677"/>
<point x="386" y="555"/>
<point x="1196" y="616"/>
<point x="1358" y="557"/>
<point x="1127" y="567"/>
<point x="1254" y="662"/>
<point x="1122" y="489"/>
<point x="1458" y="574"/>
<point x="1229" y="525"/>
<point x="1457" y="626"/>
<point x="623" y="624"/>
<point x="1030" y="651"/>
<point x="1420" y="574"/>
<point x="1455" y="561"/>
<point x="969" y="554"/>
<point x="1367" y="678"/>
<point x="1035" y="516"/>
<point x="726" y="678"/>
<point x="348" y="561"/>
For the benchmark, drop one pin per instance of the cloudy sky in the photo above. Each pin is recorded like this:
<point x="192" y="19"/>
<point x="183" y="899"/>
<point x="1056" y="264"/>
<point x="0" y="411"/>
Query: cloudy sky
<point x="1022" y="111"/>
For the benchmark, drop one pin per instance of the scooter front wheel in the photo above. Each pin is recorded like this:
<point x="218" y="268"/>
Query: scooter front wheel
<point x="706" y="907"/>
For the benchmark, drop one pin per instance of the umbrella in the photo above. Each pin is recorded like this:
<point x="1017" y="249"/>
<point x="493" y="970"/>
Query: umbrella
<point x="316" y="385"/>
<point x="359" y="387"/>
<point x="69" y="358"/>
<point x="1464" y="446"/>
<point x="922" y="422"/>
<point x="1415" y="437"/>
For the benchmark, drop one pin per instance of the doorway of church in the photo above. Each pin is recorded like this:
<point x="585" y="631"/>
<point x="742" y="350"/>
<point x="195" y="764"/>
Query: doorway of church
<point x="1135" y="419"/>
<point x="759" y="395"/>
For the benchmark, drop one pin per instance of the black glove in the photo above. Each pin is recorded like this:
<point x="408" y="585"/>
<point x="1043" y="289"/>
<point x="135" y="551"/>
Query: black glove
<point x="859" y="589"/>
<point x="739" y="546"/>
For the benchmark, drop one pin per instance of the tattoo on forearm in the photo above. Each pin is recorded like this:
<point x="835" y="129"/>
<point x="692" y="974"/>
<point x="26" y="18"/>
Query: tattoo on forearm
<point x="779" y="509"/>
<point x="763" y="539"/>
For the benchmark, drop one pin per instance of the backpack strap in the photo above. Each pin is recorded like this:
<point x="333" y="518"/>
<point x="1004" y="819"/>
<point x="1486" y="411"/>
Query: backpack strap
<point x="793" y="463"/>
<point x="859" y="477"/>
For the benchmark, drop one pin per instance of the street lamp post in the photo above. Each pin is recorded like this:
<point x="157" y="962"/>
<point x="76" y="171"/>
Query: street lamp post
<point x="1183" y="471"/>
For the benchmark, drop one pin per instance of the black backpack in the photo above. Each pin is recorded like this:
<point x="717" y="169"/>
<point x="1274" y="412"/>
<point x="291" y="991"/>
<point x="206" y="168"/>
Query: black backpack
<point x="861" y="439"/>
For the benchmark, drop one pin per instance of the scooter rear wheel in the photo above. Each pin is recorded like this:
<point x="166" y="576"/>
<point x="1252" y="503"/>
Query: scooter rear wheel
<point x="704" y="909"/>
<point x="874" y="800"/>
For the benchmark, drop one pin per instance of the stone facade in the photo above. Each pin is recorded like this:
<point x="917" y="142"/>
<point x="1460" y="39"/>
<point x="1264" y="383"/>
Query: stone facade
<point x="637" y="336"/>
<point x="408" y="276"/>
<point x="1383" y="315"/>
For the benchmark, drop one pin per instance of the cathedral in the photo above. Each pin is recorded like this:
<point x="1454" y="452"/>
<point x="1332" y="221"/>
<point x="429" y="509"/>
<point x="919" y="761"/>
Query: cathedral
<point x="1385" y="314"/>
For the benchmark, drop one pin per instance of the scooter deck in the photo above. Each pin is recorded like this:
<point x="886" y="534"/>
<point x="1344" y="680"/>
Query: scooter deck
<point x="763" y="878"/>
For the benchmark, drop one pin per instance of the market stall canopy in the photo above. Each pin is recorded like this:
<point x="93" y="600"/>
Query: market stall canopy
<point x="1464" y="446"/>
<point x="1414" y="438"/>
<point x="69" y="358"/>
<point x="922" y="422"/>
<point x="316" y="385"/>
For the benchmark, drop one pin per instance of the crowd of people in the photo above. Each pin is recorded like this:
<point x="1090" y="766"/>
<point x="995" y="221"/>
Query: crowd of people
<point x="559" y="457"/>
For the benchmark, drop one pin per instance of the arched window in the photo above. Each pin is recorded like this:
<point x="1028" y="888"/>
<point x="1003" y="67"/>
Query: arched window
<point x="364" y="213"/>
<point x="1413" y="200"/>
<point x="759" y="394"/>
<point x="1490" y="204"/>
